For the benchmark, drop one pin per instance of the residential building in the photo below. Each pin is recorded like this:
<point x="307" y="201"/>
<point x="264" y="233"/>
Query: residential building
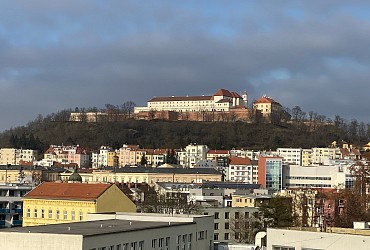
<point x="290" y="155"/>
<point x="101" y="158"/>
<point x="51" y="202"/>
<point x="242" y="170"/>
<point x="127" y="155"/>
<point x="192" y="154"/>
<point x="15" y="156"/>
<point x="250" y="200"/>
<point x="11" y="206"/>
<point x="323" y="155"/>
<point x="65" y="155"/>
<point x="214" y="154"/>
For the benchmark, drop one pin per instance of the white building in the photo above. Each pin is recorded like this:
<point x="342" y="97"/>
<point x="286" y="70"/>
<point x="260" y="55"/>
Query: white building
<point x="100" y="159"/>
<point x="334" y="176"/>
<point x="222" y="100"/>
<point x="295" y="239"/>
<point x="322" y="155"/>
<point x="242" y="170"/>
<point x="115" y="231"/>
<point x="192" y="154"/>
<point x="291" y="155"/>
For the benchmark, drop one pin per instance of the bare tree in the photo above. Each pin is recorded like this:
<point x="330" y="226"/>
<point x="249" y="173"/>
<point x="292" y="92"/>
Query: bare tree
<point x="244" y="228"/>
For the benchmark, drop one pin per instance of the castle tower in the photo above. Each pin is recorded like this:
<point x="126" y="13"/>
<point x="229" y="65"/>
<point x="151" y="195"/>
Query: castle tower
<point x="245" y="98"/>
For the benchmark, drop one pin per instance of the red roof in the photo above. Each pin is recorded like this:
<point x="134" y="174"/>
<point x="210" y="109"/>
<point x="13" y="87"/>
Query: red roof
<point x="265" y="99"/>
<point x="235" y="95"/>
<point x="223" y="92"/>
<point x="224" y="100"/>
<point x="240" y="161"/>
<point x="67" y="191"/>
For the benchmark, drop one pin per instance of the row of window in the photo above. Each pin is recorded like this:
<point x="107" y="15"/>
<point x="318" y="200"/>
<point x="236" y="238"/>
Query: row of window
<point x="125" y="246"/>
<point x="307" y="178"/>
<point x="57" y="214"/>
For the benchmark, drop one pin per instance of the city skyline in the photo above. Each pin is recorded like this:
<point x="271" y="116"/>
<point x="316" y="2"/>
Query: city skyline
<point x="76" y="54"/>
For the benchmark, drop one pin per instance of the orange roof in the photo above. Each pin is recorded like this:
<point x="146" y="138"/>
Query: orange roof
<point x="240" y="161"/>
<point x="223" y="92"/>
<point x="265" y="99"/>
<point x="67" y="191"/>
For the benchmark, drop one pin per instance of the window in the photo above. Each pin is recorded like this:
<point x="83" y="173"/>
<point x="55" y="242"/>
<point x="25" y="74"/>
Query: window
<point x="227" y="225"/>
<point x="28" y="212"/>
<point x="125" y="246"/>
<point x="161" y="242"/>
<point x="282" y="248"/>
<point x="50" y="215"/>
<point x="246" y="215"/>
<point x="57" y="215"/>
<point x="226" y="236"/>
<point x="81" y="215"/>
<point x="119" y="247"/>
<point x="64" y="215"/>
<point x="133" y="246"/>
<point x="227" y="215"/>
<point x="189" y="237"/>
<point x="154" y="243"/>
<point x="35" y="213"/>
<point x="236" y="215"/>
<point x="216" y="226"/>
<point x="73" y="215"/>
<point x="217" y="215"/>
<point x="215" y="237"/>
<point x="42" y="213"/>
<point x="168" y="241"/>
<point x="141" y="245"/>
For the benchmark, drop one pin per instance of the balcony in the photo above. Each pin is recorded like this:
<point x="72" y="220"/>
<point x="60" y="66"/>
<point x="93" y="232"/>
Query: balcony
<point x="18" y="210"/>
<point x="4" y="210"/>
<point x="17" y="222"/>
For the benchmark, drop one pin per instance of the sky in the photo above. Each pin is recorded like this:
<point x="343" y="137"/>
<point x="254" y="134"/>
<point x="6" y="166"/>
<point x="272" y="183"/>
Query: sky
<point x="56" y="55"/>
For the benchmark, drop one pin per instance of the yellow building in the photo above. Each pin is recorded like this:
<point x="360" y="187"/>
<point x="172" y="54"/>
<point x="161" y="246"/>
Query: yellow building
<point x="51" y="202"/>
<point x="268" y="107"/>
<point x="249" y="200"/>
<point x="148" y="175"/>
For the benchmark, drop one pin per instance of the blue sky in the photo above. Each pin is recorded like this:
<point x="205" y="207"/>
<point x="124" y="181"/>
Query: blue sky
<point x="65" y="54"/>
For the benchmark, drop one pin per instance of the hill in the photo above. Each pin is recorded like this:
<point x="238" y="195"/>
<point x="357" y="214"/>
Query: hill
<point x="42" y="132"/>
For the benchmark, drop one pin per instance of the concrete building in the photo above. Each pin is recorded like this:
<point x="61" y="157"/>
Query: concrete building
<point x="284" y="239"/>
<point x="315" y="176"/>
<point x="11" y="205"/>
<point x="15" y="156"/>
<point x="192" y="154"/>
<point x="116" y="232"/>
<point x="65" y="155"/>
<point x="148" y="175"/>
<point x="290" y="155"/>
<point x="51" y="203"/>
<point x="242" y="170"/>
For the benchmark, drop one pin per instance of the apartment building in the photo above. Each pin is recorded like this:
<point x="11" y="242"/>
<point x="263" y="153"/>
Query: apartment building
<point x="290" y="155"/>
<point x="15" y="156"/>
<point x="242" y="170"/>
<point x="192" y="154"/>
<point x="11" y="205"/>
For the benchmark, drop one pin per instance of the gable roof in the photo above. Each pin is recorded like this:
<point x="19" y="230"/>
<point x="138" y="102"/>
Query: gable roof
<point x="67" y="191"/>
<point x="265" y="99"/>
<point x="223" y="92"/>
<point x="240" y="161"/>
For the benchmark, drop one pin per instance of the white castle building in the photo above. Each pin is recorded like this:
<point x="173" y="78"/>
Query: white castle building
<point x="222" y="100"/>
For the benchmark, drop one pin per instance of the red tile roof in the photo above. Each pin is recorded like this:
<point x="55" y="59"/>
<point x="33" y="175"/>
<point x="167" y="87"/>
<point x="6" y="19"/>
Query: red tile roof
<point x="180" y="98"/>
<point x="224" y="100"/>
<point x="67" y="191"/>
<point x="223" y="92"/>
<point x="235" y="95"/>
<point x="265" y="99"/>
<point x="240" y="161"/>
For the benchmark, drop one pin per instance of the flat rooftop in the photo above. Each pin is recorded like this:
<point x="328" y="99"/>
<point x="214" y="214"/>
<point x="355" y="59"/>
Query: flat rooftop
<point x="91" y="228"/>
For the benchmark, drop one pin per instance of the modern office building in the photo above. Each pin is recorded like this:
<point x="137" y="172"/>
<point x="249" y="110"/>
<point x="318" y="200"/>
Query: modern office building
<point x="270" y="172"/>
